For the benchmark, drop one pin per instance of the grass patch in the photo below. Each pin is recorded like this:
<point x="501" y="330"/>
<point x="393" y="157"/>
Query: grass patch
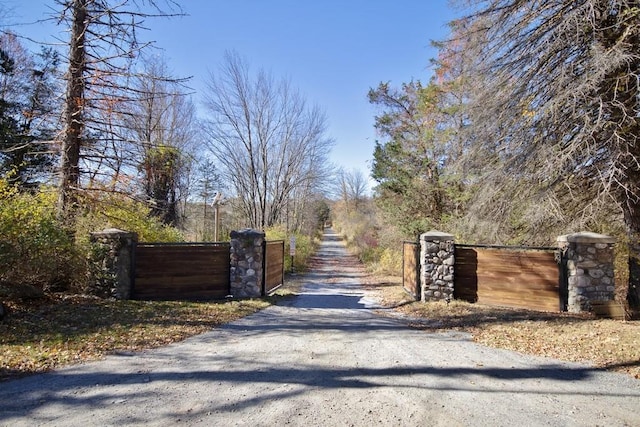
<point x="608" y="344"/>
<point x="59" y="330"/>
<point x="293" y="284"/>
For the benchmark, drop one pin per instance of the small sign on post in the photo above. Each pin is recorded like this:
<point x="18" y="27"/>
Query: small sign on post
<point x="292" y="250"/>
<point x="292" y="246"/>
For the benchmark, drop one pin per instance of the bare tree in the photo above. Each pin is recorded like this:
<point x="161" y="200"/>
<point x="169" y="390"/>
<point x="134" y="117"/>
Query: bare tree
<point x="270" y="144"/>
<point x="161" y="125"/>
<point x="559" y="104"/>
<point x="351" y="187"/>
<point x="103" y="46"/>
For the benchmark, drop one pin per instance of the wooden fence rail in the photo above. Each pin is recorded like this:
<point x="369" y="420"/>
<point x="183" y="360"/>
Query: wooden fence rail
<point x="190" y="271"/>
<point x="516" y="277"/>
<point x="411" y="268"/>
<point x="273" y="265"/>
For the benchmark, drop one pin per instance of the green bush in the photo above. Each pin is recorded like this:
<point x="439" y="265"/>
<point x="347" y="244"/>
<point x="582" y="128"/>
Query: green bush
<point x="305" y="247"/>
<point x="389" y="262"/>
<point x="36" y="251"/>
<point x="115" y="211"/>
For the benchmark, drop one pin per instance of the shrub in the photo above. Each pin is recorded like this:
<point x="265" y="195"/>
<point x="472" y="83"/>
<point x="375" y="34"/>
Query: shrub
<point x="36" y="251"/>
<point x="115" y="211"/>
<point x="305" y="247"/>
<point x="389" y="262"/>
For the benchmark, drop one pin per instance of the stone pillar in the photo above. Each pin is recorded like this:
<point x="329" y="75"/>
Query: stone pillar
<point x="436" y="266"/>
<point x="589" y="269"/>
<point x="111" y="263"/>
<point x="247" y="266"/>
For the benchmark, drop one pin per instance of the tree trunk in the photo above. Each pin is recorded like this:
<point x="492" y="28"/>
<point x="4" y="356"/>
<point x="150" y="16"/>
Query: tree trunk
<point x="73" y="133"/>
<point x="631" y="209"/>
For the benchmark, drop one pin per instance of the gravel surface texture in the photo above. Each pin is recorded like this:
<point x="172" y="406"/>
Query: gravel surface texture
<point x="323" y="358"/>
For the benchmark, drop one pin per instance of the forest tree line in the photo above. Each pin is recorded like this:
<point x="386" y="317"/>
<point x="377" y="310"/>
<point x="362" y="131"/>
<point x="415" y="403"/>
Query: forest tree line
<point x="527" y="130"/>
<point x="102" y="134"/>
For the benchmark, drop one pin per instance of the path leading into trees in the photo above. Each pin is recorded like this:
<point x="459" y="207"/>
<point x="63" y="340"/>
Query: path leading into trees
<point x="323" y="358"/>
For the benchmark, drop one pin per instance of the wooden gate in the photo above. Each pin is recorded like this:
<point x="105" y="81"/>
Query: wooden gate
<point x="411" y="268"/>
<point x="181" y="271"/>
<point x="517" y="277"/>
<point x="273" y="266"/>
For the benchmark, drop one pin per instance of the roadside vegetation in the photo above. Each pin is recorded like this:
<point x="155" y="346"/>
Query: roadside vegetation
<point x="527" y="130"/>
<point x="604" y="343"/>
<point x="305" y="247"/>
<point x="93" y="140"/>
<point x="64" y="329"/>
<point x="49" y="332"/>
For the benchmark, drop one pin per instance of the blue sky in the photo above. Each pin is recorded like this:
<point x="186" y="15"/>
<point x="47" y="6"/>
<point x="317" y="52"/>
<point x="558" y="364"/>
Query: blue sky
<point x="333" y="51"/>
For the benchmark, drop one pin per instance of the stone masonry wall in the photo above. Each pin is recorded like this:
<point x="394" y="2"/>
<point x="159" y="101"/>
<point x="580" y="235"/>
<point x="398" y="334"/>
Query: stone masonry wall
<point x="589" y="261"/>
<point x="111" y="264"/>
<point x="247" y="253"/>
<point x="436" y="266"/>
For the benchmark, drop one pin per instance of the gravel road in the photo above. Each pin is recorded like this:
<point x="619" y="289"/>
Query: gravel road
<point x="323" y="358"/>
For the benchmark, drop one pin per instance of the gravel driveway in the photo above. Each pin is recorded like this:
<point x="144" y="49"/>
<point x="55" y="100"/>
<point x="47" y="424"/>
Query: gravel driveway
<point x="323" y="358"/>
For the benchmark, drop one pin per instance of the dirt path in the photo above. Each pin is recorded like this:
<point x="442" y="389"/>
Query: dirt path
<point x="324" y="358"/>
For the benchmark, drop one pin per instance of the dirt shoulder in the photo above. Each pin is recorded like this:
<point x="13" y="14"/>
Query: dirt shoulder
<point x="324" y="357"/>
<point x="605" y="343"/>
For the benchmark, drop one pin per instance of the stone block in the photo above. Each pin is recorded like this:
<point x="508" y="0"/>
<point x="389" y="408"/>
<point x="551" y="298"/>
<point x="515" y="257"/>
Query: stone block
<point x="431" y="247"/>
<point x="587" y="263"/>
<point x="596" y="274"/>
<point x="579" y="281"/>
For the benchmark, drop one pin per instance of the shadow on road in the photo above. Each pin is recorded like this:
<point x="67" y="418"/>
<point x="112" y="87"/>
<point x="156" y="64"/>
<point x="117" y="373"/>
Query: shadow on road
<point x="310" y="376"/>
<point x="332" y="301"/>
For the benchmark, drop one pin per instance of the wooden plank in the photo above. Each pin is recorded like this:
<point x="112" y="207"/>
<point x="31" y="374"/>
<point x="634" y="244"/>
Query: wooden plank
<point x="466" y="278"/>
<point x="181" y="252"/>
<point x="195" y="296"/>
<point x="609" y="310"/>
<point x="519" y="278"/>
<point x="187" y="258"/>
<point x="523" y="282"/>
<point x="181" y="280"/>
<point x="167" y="286"/>
<point x="274" y="265"/>
<point x="410" y="269"/>
<point x="182" y="271"/>
<point x="179" y="294"/>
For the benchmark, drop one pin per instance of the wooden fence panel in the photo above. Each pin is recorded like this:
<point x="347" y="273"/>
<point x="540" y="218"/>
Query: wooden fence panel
<point x="511" y="277"/>
<point x="273" y="266"/>
<point x="197" y="271"/>
<point x="411" y="268"/>
<point x="466" y="277"/>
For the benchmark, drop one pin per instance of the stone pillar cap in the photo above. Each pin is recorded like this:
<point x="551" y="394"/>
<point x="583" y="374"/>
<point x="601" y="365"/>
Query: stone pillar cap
<point x="111" y="231"/>
<point x="246" y="232"/>
<point x="436" y="235"/>
<point x="586" y="237"/>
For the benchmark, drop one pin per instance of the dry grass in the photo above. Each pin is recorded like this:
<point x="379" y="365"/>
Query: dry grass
<point x="53" y="332"/>
<point x="59" y="330"/>
<point x="605" y="343"/>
